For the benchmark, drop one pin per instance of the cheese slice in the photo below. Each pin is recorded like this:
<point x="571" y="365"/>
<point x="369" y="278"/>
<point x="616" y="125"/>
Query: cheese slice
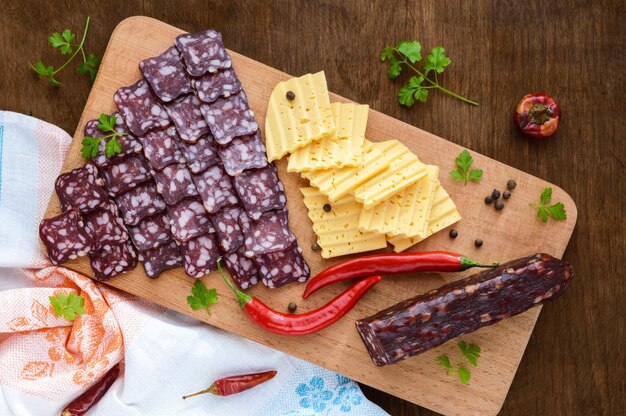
<point x="442" y="214"/>
<point x="291" y="124"/>
<point x="406" y="213"/>
<point x="338" y="229"/>
<point x="343" y="148"/>
<point x="404" y="170"/>
<point x="336" y="183"/>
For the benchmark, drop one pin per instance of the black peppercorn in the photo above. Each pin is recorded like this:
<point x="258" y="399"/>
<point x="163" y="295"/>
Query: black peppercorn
<point x="488" y="199"/>
<point x="454" y="233"/>
<point x="326" y="207"/>
<point x="315" y="246"/>
<point x="499" y="205"/>
<point x="495" y="194"/>
<point x="511" y="184"/>
<point x="290" y="95"/>
<point x="292" y="307"/>
<point x="506" y="194"/>
<point x="478" y="242"/>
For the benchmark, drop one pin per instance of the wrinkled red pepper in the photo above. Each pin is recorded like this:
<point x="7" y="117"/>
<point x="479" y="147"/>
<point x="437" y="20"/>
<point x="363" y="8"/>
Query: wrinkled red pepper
<point x="537" y="116"/>
<point x="235" y="384"/>
<point x="88" y="399"/>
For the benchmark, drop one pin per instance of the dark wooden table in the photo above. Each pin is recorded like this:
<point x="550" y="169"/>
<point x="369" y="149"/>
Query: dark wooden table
<point x="575" y="363"/>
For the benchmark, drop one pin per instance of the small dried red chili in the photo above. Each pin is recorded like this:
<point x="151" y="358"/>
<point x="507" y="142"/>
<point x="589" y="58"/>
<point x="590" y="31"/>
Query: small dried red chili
<point x="235" y="384"/>
<point x="88" y="399"/>
<point x="304" y="323"/>
<point x="537" y="116"/>
<point x="392" y="263"/>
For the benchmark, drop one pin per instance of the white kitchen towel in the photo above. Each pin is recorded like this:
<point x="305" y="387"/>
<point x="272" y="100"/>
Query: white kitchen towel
<point x="46" y="361"/>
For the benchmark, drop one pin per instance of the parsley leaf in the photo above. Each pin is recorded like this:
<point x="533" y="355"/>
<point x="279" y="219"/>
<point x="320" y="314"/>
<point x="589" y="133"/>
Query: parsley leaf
<point x="90" y="67"/>
<point x="106" y="124"/>
<point x="394" y="69"/>
<point x="412" y="50"/>
<point x="62" y="41"/>
<point x="463" y="172"/>
<point x="412" y="91"/>
<point x="545" y="211"/>
<point x="202" y="298"/>
<point x="90" y="147"/>
<point x="113" y="147"/>
<point x="444" y="360"/>
<point x="387" y="54"/>
<point x="464" y="374"/>
<point x="436" y="60"/>
<point x="470" y="351"/>
<point x="68" y="306"/>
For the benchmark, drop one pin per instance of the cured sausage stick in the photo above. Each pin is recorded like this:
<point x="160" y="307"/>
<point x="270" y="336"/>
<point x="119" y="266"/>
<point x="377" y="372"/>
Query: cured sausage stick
<point x="426" y="321"/>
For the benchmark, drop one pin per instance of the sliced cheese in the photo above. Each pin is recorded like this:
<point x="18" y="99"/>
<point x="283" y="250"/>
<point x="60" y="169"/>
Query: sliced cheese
<point x="404" y="170"/>
<point x="291" y="124"/>
<point x="338" y="230"/>
<point x="336" y="183"/>
<point x="406" y="213"/>
<point x="343" y="148"/>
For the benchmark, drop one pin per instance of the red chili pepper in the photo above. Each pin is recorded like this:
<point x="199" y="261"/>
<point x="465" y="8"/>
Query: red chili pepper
<point x="392" y="263"/>
<point x="236" y="384"/>
<point x="88" y="399"/>
<point x="305" y="323"/>
<point x="537" y="116"/>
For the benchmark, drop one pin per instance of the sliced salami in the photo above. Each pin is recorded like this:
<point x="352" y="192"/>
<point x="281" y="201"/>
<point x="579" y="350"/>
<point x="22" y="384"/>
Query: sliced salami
<point x="81" y="189"/>
<point x="160" y="148"/>
<point x="242" y="153"/>
<point x="230" y="117"/>
<point x="166" y="75"/>
<point x="226" y="224"/>
<point x="200" y="155"/>
<point x="126" y="175"/>
<point x="189" y="219"/>
<point x="160" y="259"/>
<point x="140" y="203"/>
<point x="140" y="108"/>
<point x="187" y="117"/>
<point x="283" y="267"/>
<point x="65" y="237"/>
<point x="260" y="190"/>
<point x="242" y="269"/>
<point x="113" y="260"/>
<point x="203" y="52"/>
<point x="200" y="255"/>
<point x="174" y="183"/>
<point x="215" y="189"/>
<point x="129" y="144"/>
<point x="210" y="87"/>
<point x="151" y="232"/>
<point x="269" y="234"/>
<point x="105" y="226"/>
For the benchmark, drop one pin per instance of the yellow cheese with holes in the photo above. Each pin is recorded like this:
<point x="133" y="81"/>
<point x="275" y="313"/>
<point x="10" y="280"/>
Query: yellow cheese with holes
<point x="406" y="213"/>
<point x="442" y="214"/>
<point x="336" y="183"/>
<point x="404" y="170"/>
<point x="291" y="124"/>
<point x="343" y="148"/>
<point x="338" y="231"/>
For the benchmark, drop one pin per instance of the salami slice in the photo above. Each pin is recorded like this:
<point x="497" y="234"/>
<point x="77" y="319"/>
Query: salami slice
<point x="200" y="155"/>
<point x="140" y="108"/>
<point x="242" y="269"/>
<point x="65" y="237"/>
<point x="126" y="175"/>
<point x="215" y="189"/>
<point x="113" y="260"/>
<point x="151" y="232"/>
<point x="203" y="52"/>
<point x="166" y="75"/>
<point x="160" y="259"/>
<point x="226" y="224"/>
<point x="160" y="148"/>
<point x="260" y="190"/>
<point x="230" y="117"/>
<point x="81" y="189"/>
<point x="210" y="87"/>
<point x="200" y="255"/>
<point x="283" y="267"/>
<point x="139" y="203"/>
<point x="129" y="144"/>
<point x="105" y="226"/>
<point x="187" y="117"/>
<point x="242" y="153"/>
<point x="174" y="183"/>
<point x="269" y="234"/>
<point x="189" y="219"/>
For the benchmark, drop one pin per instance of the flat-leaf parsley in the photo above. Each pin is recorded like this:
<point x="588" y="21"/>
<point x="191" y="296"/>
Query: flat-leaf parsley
<point x="544" y="211"/>
<point x="463" y="172"/>
<point x="201" y="297"/>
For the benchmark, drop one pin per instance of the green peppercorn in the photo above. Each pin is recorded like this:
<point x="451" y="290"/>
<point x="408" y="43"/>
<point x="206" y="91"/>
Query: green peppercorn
<point x="326" y="207"/>
<point x="292" y="307"/>
<point x="290" y="95"/>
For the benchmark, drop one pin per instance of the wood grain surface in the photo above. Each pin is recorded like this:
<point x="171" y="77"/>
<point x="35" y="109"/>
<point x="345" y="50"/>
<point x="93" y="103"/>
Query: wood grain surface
<point x="574" y="363"/>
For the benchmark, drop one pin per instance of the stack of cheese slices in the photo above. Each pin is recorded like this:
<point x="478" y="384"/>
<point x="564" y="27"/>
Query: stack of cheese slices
<point x="363" y="194"/>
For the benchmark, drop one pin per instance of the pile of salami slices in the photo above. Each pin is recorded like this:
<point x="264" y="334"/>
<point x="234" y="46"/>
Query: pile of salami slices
<point x="191" y="183"/>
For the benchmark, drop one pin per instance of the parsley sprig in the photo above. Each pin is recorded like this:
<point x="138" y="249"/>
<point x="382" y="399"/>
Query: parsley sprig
<point x="201" y="297"/>
<point x="106" y="124"/>
<point x="544" y="211"/>
<point x="463" y="172"/>
<point x="68" y="306"/>
<point x="408" y="53"/>
<point x="471" y="352"/>
<point x="65" y="43"/>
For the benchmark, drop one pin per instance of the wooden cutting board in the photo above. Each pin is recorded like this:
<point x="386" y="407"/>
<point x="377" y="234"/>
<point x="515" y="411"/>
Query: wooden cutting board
<point x="513" y="232"/>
